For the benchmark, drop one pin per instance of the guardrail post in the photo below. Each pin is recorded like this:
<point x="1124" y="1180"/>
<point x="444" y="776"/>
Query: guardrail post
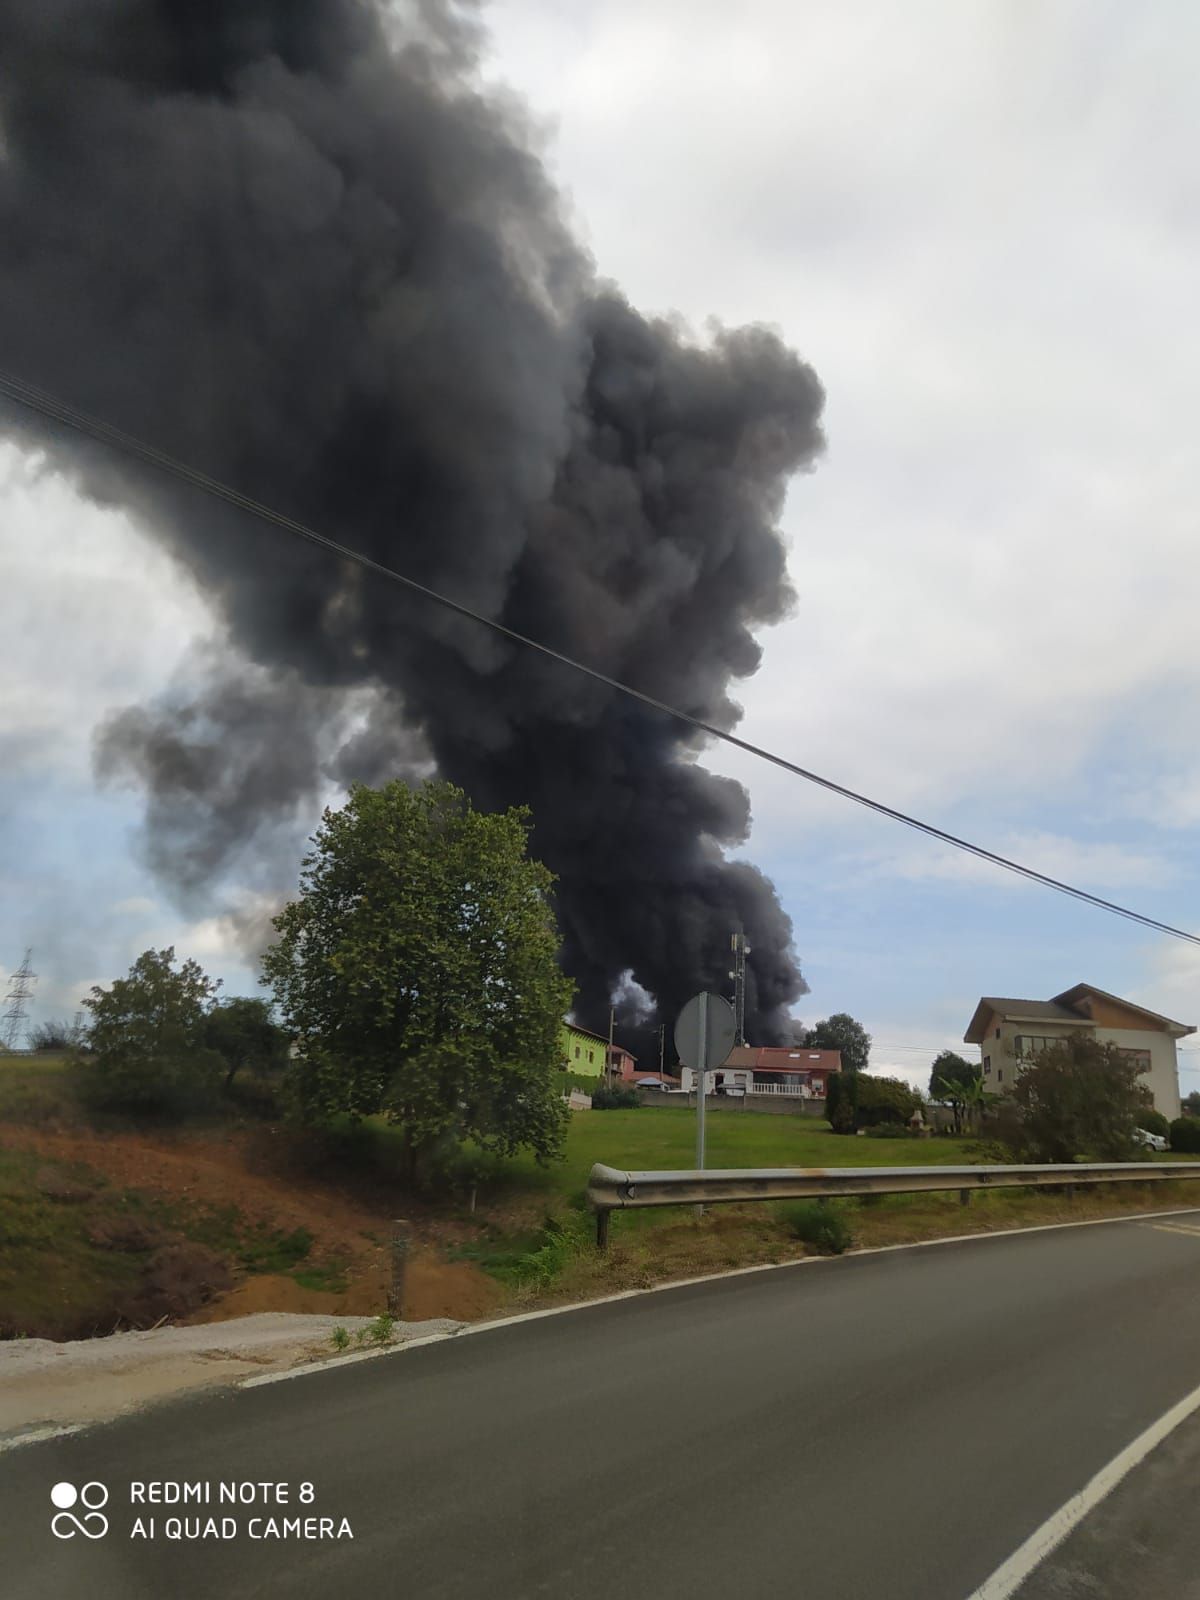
<point x="964" y="1197"/>
<point x="399" y="1250"/>
<point x="602" y="1229"/>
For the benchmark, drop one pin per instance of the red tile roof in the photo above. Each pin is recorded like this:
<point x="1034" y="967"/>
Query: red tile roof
<point x="782" y="1058"/>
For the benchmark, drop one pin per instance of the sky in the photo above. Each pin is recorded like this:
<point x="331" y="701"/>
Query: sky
<point x="979" y="224"/>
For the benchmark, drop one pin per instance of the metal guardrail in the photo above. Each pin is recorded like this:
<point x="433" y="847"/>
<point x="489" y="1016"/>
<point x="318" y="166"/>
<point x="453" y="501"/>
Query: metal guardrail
<point x="610" y="1190"/>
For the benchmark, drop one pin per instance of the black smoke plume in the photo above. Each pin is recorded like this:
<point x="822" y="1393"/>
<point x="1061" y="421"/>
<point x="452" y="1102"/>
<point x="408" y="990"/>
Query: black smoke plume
<point x="300" y="245"/>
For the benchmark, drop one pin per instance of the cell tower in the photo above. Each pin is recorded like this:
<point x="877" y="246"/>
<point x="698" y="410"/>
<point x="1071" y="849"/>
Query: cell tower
<point x="20" y="991"/>
<point x="737" y="943"/>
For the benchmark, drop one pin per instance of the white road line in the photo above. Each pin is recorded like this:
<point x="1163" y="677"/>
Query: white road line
<point x="345" y="1361"/>
<point x="37" y="1435"/>
<point x="1167" y="1227"/>
<point x="1009" y="1577"/>
<point x="687" y="1283"/>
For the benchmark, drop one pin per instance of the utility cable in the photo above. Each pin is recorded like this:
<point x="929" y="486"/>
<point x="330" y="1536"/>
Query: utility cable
<point x="48" y="405"/>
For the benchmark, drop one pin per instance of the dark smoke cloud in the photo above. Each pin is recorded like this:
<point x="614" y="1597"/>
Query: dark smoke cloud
<point x="297" y="244"/>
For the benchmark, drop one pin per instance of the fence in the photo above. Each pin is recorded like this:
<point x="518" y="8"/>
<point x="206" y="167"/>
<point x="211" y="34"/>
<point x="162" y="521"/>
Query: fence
<point x="610" y="1190"/>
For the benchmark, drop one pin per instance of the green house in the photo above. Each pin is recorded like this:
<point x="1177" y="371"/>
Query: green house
<point x="582" y="1050"/>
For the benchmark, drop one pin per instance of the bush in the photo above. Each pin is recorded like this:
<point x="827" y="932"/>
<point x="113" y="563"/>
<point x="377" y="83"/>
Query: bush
<point x="1184" y="1134"/>
<point x="169" y="1086"/>
<point x="618" y="1098"/>
<point x="886" y="1100"/>
<point x="820" y="1223"/>
<point x="1153" y="1122"/>
<point x="579" y="1080"/>
<point x="52" y="1037"/>
<point x="563" y="1240"/>
<point x="892" y="1130"/>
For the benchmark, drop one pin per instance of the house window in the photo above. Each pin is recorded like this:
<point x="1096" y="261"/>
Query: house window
<point x="591" y="1055"/>
<point x="1141" y="1058"/>
<point x="987" y="1064"/>
<point x="997" y="1033"/>
<point x="577" y="1052"/>
<point x="999" y="1074"/>
<point x="1026" y="1046"/>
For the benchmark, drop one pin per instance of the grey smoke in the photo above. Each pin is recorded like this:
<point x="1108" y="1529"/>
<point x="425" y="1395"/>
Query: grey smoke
<point x="296" y="243"/>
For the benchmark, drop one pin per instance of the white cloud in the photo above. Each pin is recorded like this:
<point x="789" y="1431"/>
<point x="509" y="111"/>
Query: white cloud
<point x="136" y="906"/>
<point x="1083" y="864"/>
<point x="971" y="222"/>
<point x="93" y="616"/>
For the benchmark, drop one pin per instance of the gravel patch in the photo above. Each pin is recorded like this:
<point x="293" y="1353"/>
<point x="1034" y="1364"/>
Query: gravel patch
<point x="44" y="1383"/>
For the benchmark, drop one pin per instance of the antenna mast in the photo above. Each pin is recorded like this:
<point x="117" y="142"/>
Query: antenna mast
<point x="737" y="943"/>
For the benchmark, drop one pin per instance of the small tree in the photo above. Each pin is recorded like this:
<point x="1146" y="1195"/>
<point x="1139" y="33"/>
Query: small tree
<point x="952" y="1080"/>
<point x="1078" y="1098"/>
<point x="418" y="972"/>
<point x="243" y="1033"/>
<point x="1191" y="1104"/>
<point x="842" y="1032"/>
<point x="148" y="1038"/>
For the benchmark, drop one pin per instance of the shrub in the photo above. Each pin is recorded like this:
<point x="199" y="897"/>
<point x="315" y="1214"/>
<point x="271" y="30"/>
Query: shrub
<point x="1076" y="1100"/>
<point x="380" y="1331"/>
<point x="562" y="1241"/>
<point x="1153" y="1122"/>
<point x="1184" y="1135"/>
<point x="887" y="1100"/>
<point x="618" y="1098"/>
<point x="841" y="1101"/>
<point x="52" y="1037"/>
<point x="892" y="1130"/>
<point x="820" y="1223"/>
<point x="862" y="1100"/>
<point x="580" y="1081"/>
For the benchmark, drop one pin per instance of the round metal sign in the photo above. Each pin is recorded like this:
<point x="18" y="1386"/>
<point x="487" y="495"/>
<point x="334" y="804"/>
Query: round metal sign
<point x="719" y="1032"/>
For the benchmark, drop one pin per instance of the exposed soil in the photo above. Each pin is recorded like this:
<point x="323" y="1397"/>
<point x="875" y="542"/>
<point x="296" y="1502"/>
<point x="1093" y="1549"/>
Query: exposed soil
<point x="217" y="1170"/>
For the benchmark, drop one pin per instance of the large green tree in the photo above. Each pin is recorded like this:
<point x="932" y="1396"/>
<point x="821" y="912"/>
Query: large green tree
<point x="418" y="972"/>
<point x="1078" y="1098"/>
<point x="842" y="1032"/>
<point x="147" y="1038"/>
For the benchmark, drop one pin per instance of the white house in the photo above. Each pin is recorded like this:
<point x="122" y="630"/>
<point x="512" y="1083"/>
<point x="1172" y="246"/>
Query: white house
<point x="770" y="1069"/>
<point x="1010" y="1032"/>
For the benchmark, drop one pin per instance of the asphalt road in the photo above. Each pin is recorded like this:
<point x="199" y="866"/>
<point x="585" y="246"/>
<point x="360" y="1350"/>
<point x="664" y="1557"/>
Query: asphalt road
<point x="887" y="1426"/>
<point x="1141" y="1540"/>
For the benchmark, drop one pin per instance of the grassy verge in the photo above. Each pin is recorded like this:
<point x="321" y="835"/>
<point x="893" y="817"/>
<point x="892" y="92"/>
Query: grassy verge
<point x="657" y="1246"/>
<point x="54" y="1277"/>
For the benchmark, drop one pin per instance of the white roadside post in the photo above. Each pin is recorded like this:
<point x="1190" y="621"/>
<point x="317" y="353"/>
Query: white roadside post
<point x="704" y="1035"/>
<point x="702" y="1053"/>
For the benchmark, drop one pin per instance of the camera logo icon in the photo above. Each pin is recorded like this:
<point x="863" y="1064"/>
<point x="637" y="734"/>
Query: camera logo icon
<point x="91" y="1522"/>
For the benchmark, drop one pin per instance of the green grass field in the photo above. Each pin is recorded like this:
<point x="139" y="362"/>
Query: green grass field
<point x="661" y="1138"/>
<point x="664" y="1138"/>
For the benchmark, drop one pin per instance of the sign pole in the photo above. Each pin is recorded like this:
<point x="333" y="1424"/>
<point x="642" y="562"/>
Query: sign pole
<point x="704" y="1033"/>
<point x="702" y="1054"/>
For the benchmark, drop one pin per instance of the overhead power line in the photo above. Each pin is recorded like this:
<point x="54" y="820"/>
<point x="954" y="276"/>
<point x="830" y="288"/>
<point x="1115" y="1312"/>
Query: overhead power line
<point x="48" y="405"/>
